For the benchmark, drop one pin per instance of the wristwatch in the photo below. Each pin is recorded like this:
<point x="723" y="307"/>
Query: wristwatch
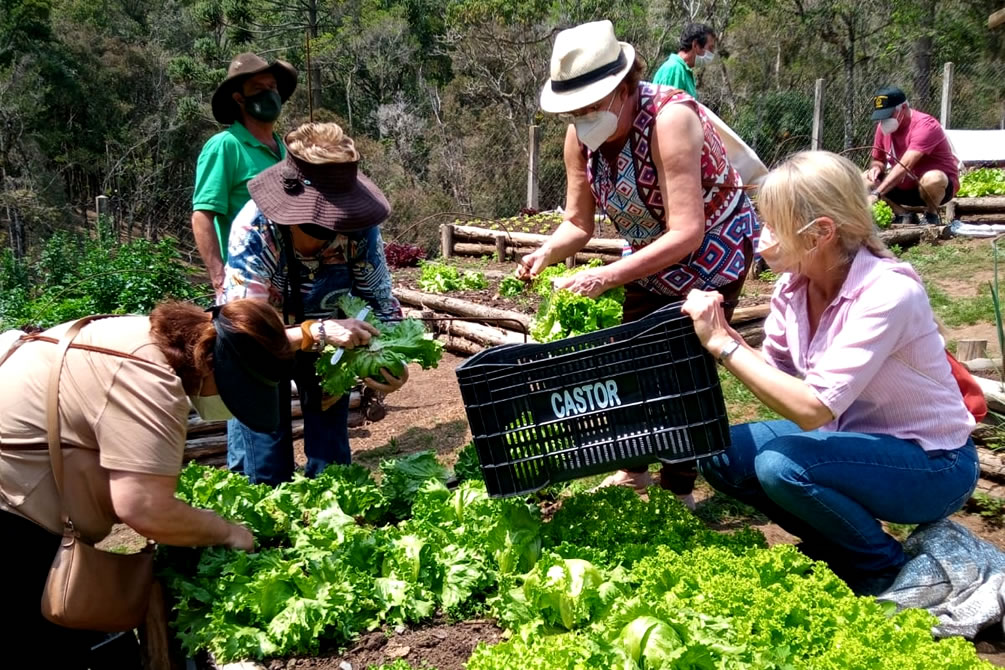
<point x="728" y="350"/>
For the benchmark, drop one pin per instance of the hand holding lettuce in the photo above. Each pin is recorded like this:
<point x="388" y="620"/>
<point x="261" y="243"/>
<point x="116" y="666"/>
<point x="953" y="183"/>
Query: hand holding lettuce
<point x="398" y="344"/>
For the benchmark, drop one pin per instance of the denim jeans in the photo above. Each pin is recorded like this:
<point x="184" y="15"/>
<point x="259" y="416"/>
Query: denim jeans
<point x="267" y="458"/>
<point x="831" y="489"/>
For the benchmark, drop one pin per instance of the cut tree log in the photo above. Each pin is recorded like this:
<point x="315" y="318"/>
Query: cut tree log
<point x="903" y="237"/>
<point x="484" y="249"/>
<point x="968" y="350"/>
<point x="752" y="333"/>
<point x="754" y="313"/>
<point x="462" y="346"/>
<point x="601" y="245"/>
<point x="458" y="307"/>
<point x="975" y="205"/>
<point x="480" y="334"/>
<point x="994" y="395"/>
<point x="983" y="365"/>
<point x="212" y="445"/>
<point x="992" y="466"/>
<point x="983" y="218"/>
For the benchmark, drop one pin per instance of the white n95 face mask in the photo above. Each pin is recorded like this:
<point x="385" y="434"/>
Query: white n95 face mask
<point x="595" y="128"/>
<point x="210" y="408"/>
<point x="706" y="57"/>
<point x="889" y="126"/>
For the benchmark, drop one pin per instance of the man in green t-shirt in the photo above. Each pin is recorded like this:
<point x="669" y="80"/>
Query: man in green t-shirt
<point x="697" y="45"/>
<point x="249" y="101"/>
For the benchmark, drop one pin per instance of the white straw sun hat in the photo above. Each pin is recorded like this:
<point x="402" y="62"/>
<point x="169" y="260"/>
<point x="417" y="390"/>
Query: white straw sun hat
<point x="587" y="63"/>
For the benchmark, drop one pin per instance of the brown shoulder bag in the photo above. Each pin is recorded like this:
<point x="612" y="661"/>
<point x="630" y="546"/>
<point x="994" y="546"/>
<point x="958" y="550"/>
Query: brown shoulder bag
<point x="88" y="588"/>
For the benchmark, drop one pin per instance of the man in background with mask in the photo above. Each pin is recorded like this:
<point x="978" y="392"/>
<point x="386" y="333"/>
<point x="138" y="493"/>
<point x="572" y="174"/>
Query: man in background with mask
<point x="913" y="164"/>
<point x="697" y="45"/>
<point x="249" y="101"/>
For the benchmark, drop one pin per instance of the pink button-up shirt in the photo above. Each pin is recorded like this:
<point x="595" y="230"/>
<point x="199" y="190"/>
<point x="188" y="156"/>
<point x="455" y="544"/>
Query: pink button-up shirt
<point x="877" y="360"/>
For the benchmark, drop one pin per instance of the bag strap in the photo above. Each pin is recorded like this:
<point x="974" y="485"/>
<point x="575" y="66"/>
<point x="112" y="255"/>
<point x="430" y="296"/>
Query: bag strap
<point x="52" y="408"/>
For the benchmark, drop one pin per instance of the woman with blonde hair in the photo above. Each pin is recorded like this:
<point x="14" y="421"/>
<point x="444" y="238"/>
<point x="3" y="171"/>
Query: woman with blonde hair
<point x="310" y="234"/>
<point x="854" y="363"/>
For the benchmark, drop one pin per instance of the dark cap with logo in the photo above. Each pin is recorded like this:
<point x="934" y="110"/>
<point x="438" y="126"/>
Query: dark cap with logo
<point x="885" y="102"/>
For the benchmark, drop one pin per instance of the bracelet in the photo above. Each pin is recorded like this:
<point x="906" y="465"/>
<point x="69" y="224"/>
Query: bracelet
<point x="730" y="348"/>
<point x="876" y="193"/>
<point x="319" y="344"/>
<point x="307" y="343"/>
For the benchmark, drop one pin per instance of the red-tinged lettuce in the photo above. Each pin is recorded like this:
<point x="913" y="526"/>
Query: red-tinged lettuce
<point x="399" y="343"/>
<point x="400" y="255"/>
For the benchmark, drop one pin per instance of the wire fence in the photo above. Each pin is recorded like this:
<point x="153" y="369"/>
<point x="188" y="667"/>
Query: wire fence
<point x="779" y="121"/>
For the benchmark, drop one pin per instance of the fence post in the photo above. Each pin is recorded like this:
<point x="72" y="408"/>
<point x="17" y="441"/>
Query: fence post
<point x="446" y="240"/>
<point x="818" y="115"/>
<point x="947" y="95"/>
<point x="501" y="248"/>
<point x="533" y="159"/>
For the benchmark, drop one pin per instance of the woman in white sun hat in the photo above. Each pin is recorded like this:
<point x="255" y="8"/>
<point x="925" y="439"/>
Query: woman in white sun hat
<point x="649" y="158"/>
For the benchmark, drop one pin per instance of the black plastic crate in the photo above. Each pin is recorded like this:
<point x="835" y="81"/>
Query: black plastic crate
<point x="620" y="397"/>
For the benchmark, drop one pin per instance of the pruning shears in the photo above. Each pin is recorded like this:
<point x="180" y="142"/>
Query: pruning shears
<point x="360" y="316"/>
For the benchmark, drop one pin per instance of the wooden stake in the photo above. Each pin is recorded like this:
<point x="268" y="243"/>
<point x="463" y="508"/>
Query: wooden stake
<point x="447" y="240"/>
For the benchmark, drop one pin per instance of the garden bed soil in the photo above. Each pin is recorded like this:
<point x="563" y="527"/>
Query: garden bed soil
<point x="442" y="646"/>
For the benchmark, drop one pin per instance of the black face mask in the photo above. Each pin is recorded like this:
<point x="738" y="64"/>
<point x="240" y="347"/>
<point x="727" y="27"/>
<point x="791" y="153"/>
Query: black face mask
<point x="264" y="106"/>
<point x="318" y="232"/>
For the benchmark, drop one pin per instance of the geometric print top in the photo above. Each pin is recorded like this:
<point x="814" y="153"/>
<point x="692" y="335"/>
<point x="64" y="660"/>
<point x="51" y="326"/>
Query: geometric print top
<point x="635" y="205"/>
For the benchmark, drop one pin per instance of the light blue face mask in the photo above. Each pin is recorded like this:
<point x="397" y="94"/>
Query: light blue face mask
<point x="210" y="408"/>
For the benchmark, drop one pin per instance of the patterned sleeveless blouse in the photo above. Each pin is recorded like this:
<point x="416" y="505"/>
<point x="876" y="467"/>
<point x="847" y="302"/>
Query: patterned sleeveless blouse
<point x="632" y="200"/>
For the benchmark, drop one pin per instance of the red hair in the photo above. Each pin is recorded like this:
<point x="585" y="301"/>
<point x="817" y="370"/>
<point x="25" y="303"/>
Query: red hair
<point x="186" y="335"/>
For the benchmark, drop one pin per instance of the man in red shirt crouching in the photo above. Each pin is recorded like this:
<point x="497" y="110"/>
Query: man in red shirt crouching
<point x="913" y="164"/>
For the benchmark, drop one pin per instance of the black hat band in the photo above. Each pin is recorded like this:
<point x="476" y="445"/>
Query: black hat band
<point x="591" y="77"/>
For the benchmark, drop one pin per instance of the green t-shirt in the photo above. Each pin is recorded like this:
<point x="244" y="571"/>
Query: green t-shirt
<point x="229" y="160"/>
<point x="675" y="72"/>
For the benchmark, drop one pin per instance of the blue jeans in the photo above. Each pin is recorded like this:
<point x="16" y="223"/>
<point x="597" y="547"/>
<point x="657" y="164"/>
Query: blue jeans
<point x="830" y="489"/>
<point x="267" y="458"/>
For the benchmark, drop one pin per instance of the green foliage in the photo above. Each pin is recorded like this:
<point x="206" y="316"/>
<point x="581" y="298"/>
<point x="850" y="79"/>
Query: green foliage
<point x="882" y="214"/>
<point x="403" y="477"/>
<point x="468" y="466"/>
<point x="685" y="598"/>
<point x="991" y="509"/>
<point x="982" y="182"/>
<point x="621" y="528"/>
<point x="438" y="277"/>
<point x="510" y="287"/>
<point x="399" y="343"/>
<point x="564" y="314"/>
<point x="76" y="276"/>
<point x="961" y="311"/>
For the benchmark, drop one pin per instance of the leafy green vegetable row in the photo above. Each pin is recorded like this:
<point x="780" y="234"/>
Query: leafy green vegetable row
<point x="436" y="277"/>
<point x="982" y="182"/>
<point x="611" y="581"/>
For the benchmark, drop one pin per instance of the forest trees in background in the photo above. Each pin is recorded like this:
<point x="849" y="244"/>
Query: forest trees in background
<point x="112" y="96"/>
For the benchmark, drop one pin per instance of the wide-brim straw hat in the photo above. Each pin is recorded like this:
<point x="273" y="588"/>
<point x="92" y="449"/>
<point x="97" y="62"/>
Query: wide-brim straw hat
<point x="334" y="195"/>
<point x="225" y="108"/>
<point x="587" y="63"/>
